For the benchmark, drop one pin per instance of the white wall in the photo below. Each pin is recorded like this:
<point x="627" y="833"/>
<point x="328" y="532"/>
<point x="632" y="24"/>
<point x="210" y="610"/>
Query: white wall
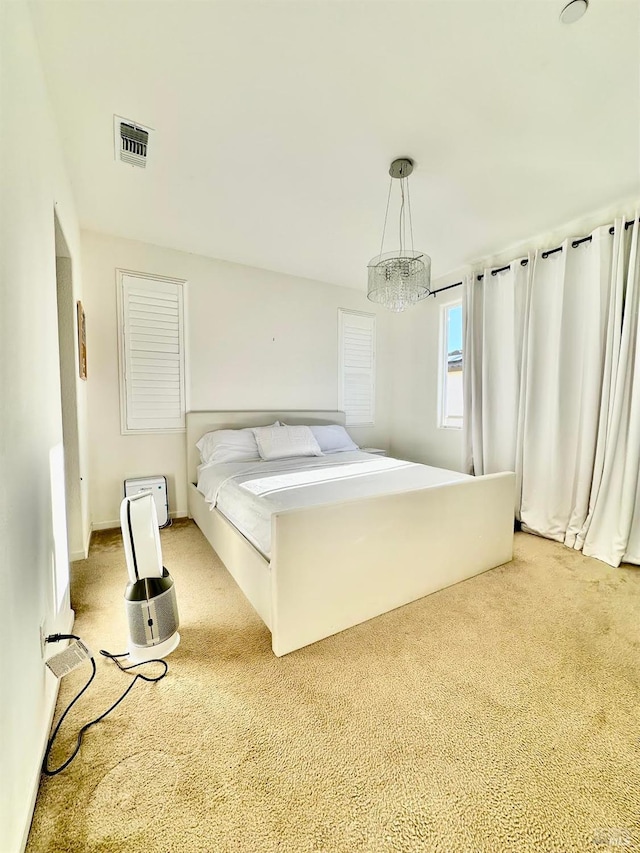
<point x="33" y="182"/>
<point x="256" y="340"/>
<point x="415" y="432"/>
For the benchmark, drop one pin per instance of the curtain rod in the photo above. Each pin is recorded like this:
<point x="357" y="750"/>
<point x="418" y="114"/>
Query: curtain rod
<point x="525" y="261"/>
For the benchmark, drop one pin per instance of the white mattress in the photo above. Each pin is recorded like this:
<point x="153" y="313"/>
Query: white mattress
<point x="248" y="493"/>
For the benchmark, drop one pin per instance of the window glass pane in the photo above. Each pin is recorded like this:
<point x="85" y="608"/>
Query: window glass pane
<point x="452" y="380"/>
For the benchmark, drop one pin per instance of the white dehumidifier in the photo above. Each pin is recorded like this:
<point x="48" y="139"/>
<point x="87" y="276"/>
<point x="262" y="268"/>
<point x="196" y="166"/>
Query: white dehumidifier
<point x="158" y="487"/>
<point x="150" y="596"/>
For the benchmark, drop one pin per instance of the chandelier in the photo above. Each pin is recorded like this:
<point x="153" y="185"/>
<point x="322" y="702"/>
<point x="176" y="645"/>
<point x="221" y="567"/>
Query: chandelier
<point x="399" y="279"/>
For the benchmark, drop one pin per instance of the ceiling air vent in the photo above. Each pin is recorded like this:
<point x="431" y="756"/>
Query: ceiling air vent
<point x="131" y="142"/>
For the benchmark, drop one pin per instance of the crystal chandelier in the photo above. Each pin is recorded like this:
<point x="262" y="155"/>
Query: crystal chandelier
<point x="399" y="279"/>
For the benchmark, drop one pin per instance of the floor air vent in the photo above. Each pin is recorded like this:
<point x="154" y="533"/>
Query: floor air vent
<point x="131" y="142"/>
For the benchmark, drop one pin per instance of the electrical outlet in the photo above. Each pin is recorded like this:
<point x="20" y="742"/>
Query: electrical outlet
<point x="43" y="634"/>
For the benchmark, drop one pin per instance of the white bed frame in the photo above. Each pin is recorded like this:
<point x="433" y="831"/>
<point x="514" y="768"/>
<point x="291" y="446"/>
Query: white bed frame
<point x="335" y="566"/>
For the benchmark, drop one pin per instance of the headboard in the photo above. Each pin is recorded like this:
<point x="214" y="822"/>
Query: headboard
<point x="200" y="422"/>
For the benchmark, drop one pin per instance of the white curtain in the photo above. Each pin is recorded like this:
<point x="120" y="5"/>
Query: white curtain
<point x="472" y="375"/>
<point x="563" y="378"/>
<point x="495" y="309"/>
<point x="613" y="533"/>
<point x="552" y="389"/>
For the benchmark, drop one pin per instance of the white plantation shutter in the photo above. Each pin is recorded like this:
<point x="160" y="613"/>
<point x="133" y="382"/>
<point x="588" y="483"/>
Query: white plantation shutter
<point x="152" y="353"/>
<point x="357" y="367"/>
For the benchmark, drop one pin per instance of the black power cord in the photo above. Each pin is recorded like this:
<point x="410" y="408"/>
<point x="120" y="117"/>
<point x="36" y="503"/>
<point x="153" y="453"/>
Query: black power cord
<point x="55" y="638"/>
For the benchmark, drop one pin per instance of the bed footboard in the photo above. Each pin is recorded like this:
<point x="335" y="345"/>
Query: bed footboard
<point x="245" y="564"/>
<point x="338" y="565"/>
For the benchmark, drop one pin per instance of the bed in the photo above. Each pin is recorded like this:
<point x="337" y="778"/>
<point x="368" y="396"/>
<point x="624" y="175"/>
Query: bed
<point x="331" y="565"/>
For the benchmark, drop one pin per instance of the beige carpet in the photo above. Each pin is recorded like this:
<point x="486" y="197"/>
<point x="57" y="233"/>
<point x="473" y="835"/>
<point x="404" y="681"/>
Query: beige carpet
<point x="502" y="714"/>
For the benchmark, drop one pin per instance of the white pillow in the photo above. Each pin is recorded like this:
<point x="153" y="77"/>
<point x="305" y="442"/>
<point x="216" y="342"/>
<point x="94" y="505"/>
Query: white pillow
<point x="333" y="438"/>
<point x="279" y="442"/>
<point x="229" y="445"/>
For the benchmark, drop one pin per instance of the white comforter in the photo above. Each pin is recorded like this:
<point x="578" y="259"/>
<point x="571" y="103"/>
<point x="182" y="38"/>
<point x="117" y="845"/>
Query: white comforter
<point x="248" y="493"/>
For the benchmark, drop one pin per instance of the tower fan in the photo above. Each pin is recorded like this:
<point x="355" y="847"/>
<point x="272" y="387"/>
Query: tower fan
<point x="150" y="596"/>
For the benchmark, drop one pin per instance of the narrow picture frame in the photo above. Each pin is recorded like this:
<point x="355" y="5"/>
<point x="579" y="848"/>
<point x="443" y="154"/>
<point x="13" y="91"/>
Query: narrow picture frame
<point x="82" y="341"/>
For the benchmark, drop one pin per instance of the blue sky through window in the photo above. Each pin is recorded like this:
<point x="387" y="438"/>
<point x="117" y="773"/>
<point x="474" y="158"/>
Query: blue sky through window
<point x="454" y="332"/>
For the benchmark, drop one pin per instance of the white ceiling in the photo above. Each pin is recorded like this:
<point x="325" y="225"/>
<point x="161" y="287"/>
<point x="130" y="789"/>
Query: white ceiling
<point x="276" y="122"/>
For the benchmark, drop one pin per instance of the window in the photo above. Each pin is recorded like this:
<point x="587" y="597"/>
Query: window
<point x="151" y="337"/>
<point x="357" y="367"/>
<point x="451" y="366"/>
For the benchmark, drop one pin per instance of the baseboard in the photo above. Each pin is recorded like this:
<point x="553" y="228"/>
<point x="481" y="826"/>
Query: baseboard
<point x="81" y="555"/>
<point x="110" y="525"/>
<point x="51" y="698"/>
<point x="104" y="525"/>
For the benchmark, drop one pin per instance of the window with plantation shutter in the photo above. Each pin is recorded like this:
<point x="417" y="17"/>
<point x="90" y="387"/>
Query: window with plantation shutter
<point x="357" y="367"/>
<point x="151" y="353"/>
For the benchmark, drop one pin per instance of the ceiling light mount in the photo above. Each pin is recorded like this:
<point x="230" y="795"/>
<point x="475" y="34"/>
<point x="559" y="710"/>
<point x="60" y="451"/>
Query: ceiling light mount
<point x="573" y="11"/>
<point x="401" y="168"/>
<point x="400" y="278"/>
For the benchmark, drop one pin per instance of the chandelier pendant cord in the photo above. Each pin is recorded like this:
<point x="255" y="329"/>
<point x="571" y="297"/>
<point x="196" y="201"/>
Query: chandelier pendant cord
<point x="386" y="213"/>
<point x="410" y="219"/>
<point x="402" y="223"/>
